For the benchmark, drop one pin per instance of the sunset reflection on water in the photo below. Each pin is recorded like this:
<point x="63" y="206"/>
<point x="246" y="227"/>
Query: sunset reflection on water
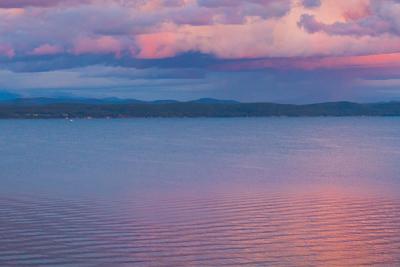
<point x="257" y="230"/>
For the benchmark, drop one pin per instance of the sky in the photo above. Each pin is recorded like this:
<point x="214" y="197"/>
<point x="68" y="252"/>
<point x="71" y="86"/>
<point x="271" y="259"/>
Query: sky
<point x="285" y="51"/>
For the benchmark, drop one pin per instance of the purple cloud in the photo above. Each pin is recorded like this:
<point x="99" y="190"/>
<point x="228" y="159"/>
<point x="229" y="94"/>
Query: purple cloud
<point x="36" y="3"/>
<point x="6" y="50"/>
<point x="311" y="3"/>
<point x="371" y="26"/>
<point x="381" y="17"/>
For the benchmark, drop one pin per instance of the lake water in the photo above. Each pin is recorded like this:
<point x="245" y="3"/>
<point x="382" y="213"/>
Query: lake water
<point x="200" y="192"/>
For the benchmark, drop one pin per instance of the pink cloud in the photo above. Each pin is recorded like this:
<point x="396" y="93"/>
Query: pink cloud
<point x="367" y="61"/>
<point x="345" y="62"/>
<point x="47" y="49"/>
<point x="260" y="39"/>
<point x="222" y="41"/>
<point x="158" y="45"/>
<point x="373" y="18"/>
<point x="7" y="50"/>
<point x="99" y="45"/>
<point x="361" y="11"/>
<point x="12" y="12"/>
<point x="227" y="29"/>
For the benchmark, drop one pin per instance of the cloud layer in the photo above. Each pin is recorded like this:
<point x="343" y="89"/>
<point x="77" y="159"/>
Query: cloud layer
<point x="207" y="36"/>
<point x="225" y="29"/>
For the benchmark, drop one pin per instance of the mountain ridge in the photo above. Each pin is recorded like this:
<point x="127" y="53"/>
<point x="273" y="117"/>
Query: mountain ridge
<point x="45" y="108"/>
<point x="109" y="100"/>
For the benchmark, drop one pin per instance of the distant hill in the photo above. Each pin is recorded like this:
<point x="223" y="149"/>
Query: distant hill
<point x="65" y="100"/>
<point x="213" y="101"/>
<point x="111" y="100"/>
<point x="207" y="107"/>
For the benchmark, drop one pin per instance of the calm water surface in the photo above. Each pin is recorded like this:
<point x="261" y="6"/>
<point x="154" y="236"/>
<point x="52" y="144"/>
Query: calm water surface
<point x="200" y="192"/>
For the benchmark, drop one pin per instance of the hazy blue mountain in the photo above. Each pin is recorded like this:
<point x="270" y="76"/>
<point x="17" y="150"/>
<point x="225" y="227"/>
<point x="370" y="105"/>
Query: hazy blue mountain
<point x="164" y="101"/>
<point x="110" y="100"/>
<point x="213" y="101"/>
<point x="65" y="100"/>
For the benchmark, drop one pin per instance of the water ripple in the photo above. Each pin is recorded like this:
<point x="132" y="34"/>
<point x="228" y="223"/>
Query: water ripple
<point x="225" y="230"/>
